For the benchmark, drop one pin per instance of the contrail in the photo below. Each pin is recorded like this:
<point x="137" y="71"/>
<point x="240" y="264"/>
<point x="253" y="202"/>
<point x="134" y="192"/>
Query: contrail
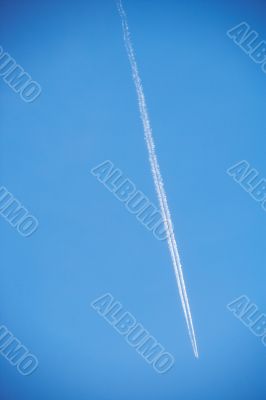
<point x="157" y="178"/>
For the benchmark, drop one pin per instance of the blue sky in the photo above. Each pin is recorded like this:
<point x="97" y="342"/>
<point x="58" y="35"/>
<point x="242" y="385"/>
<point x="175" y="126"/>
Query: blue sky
<point x="206" y="100"/>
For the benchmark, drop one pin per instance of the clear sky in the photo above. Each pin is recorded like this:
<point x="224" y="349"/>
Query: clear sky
<point x="206" y="100"/>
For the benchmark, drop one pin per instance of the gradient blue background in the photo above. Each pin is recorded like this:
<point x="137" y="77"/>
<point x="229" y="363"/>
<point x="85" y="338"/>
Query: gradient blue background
<point x="207" y="101"/>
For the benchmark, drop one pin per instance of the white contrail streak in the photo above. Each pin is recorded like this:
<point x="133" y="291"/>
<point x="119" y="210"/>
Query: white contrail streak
<point x="158" y="182"/>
